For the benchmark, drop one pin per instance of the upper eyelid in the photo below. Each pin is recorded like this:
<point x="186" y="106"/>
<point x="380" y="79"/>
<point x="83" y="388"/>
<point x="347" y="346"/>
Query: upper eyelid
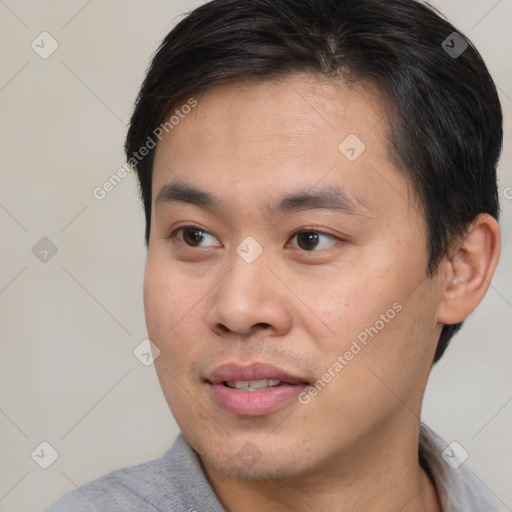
<point x="193" y="226"/>
<point x="314" y="230"/>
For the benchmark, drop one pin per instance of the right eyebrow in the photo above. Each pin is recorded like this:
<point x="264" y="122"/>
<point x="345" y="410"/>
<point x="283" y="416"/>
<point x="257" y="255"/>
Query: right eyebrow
<point x="175" y="192"/>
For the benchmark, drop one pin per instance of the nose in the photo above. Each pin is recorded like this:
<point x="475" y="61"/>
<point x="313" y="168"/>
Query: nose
<point x="249" y="298"/>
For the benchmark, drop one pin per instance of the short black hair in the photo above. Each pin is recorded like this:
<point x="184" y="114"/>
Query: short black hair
<point x="444" y="113"/>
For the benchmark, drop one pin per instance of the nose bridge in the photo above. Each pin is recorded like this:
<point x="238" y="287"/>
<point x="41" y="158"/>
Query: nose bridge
<point x="247" y="281"/>
<point x="247" y="295"/>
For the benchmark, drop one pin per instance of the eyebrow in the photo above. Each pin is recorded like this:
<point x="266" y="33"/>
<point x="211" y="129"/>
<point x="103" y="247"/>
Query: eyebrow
<point x="329" y="197"/>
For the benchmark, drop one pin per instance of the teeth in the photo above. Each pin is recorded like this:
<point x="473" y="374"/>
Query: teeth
<point x="252" y="385"/>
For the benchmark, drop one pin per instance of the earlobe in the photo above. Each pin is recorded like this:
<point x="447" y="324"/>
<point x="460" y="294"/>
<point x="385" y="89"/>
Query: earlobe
<point x="469" y="270"/>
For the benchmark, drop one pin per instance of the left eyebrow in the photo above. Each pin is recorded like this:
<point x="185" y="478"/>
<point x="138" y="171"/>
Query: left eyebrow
<point x="329" y="197"/>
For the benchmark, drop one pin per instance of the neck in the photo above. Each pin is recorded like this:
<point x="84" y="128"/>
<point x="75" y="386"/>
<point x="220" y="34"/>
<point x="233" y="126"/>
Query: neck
<point x="381" y="474"/>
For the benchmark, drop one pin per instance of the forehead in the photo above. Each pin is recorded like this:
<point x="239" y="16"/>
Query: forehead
<point x="256" y="138"/>
<point x="294" y="106"/>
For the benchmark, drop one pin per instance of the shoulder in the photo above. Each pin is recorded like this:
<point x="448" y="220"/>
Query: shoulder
<point x="173" y="482"/>
<point x="459" y="489"/>
<point x="122" y="489"/>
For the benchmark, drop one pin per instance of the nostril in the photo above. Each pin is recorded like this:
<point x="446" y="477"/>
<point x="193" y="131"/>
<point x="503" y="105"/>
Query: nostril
<point x="222" y="328"/>
<point x="262" y="324"/>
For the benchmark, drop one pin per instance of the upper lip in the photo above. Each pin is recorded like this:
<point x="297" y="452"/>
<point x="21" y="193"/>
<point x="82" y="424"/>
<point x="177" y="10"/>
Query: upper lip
<point x="255" y="371"/>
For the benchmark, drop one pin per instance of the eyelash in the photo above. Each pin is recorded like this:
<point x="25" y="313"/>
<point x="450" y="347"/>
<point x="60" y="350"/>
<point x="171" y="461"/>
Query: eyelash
<point x="175" y="232"/>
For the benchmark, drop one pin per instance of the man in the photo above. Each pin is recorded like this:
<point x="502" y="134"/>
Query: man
<point x="319" y="183"/>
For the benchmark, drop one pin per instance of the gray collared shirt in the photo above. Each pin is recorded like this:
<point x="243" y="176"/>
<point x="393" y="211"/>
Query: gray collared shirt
<point x="176" y="483"/>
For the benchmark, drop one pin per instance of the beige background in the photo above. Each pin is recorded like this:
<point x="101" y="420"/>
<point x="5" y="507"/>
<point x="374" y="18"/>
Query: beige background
<point x="68" y="375"/>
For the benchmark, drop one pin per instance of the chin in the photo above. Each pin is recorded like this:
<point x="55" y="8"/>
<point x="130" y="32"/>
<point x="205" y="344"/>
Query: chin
<point x="271" y="470"/>
<point x="247" y="462"/>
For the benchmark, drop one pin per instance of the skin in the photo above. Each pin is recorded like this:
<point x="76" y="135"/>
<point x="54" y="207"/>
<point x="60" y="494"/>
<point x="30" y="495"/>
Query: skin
<point x="355" y="442"/>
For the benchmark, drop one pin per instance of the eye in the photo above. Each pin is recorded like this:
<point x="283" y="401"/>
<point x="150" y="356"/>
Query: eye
<point x="194" y="237"/>
<point x="310" y="240"/>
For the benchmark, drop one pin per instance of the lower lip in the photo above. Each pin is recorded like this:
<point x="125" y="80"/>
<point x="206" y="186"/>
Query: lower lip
<point x="254" y="403"/>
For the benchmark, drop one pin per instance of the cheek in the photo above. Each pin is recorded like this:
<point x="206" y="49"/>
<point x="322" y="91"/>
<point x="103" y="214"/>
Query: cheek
<point x="378" y="321"/>
<point x="170" y="306"/>
<point x="349" y="303"/>
<point x="373" y="293"/>
<point x="170" y="303"/>
<point x="389" y="352"/>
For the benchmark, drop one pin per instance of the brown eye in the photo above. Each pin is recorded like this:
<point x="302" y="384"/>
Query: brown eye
<point x="307" y="240"/>
<point x="194" y="237"/>
<point x="313" y="240"/>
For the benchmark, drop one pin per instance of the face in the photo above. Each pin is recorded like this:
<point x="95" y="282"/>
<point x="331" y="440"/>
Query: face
<point x="285" y="282"/>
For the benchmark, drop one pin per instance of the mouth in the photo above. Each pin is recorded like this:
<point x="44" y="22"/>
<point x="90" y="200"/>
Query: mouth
<point x="253" y="390"/>
<point x="253" y="385"/>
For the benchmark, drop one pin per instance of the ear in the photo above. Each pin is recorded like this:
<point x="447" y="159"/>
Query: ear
<point x="469" y="269"/>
